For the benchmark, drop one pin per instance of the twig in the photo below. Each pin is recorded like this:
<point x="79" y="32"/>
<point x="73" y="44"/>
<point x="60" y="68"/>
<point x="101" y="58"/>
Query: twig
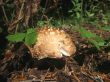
<point x="43" y="12"/>
<point x="19" y="16"/>
<point x="6" y="18"/>
<point x="38" y="80"/>
<point x="94" y="78"/>
<point x="43" y="78"/>
<point x="78" y="80"/>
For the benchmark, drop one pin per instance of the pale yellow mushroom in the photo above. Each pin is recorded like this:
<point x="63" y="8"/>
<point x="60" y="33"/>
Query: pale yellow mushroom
<point x="53" y="43"/>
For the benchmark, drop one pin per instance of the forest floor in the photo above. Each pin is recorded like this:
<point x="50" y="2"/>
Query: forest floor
<point x="87" y="65"/>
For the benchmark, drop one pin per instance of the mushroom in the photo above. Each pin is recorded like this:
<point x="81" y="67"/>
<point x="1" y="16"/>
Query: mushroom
<point x="53" y="43"/>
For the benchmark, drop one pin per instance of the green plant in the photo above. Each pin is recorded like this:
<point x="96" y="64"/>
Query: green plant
<point x="94" y="39"/>
<point x="28" y="37"/>
<point x="106" y="28"/>
<point x="41" y="23"/>
<point x="90" y="9"/>
<point x="77" y="9"/>
<point x="86" y="10"/>
<point x="102" y="22"/>
<point x="56" y="23"/>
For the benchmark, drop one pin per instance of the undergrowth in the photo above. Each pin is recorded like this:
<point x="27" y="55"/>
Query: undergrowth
<point x="18" y="16"/>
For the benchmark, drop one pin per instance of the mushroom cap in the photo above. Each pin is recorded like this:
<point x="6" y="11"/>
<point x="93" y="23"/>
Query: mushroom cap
<point x="53" y="43"/>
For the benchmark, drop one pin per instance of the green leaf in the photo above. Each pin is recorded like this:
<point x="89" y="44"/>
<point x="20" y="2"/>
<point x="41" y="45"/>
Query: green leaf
<point x="73" y="2"/>
<point x="95" y="44"/>
<point x="31" y="30"/>
<point x="86" y="34"/>
<point x="41" y="23"/>
<point x="18" y="37"/>
<point x="89" y="14"/>
<point x="92" y="38"/>
<point x="78" y="15"/>
<point x="106" y="28"/>
<point x="31" y="36"/>
<point x="56" y="23"/>
<point x="100" y="41"/>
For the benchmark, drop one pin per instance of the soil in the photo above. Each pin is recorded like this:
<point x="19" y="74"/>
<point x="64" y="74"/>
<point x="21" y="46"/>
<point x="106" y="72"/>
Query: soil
<point x="87" y="65"/>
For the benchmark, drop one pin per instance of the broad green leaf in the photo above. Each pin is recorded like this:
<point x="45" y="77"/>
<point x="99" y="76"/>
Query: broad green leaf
<point x="18" y="37"/>
<point x="95" y="44"/>
<point x="100" y="41"/>
<point x="101" y="44"/>
<point x="31" y="36"/>
<point x="92" y="38"/>
<point x="86" y="34"/>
